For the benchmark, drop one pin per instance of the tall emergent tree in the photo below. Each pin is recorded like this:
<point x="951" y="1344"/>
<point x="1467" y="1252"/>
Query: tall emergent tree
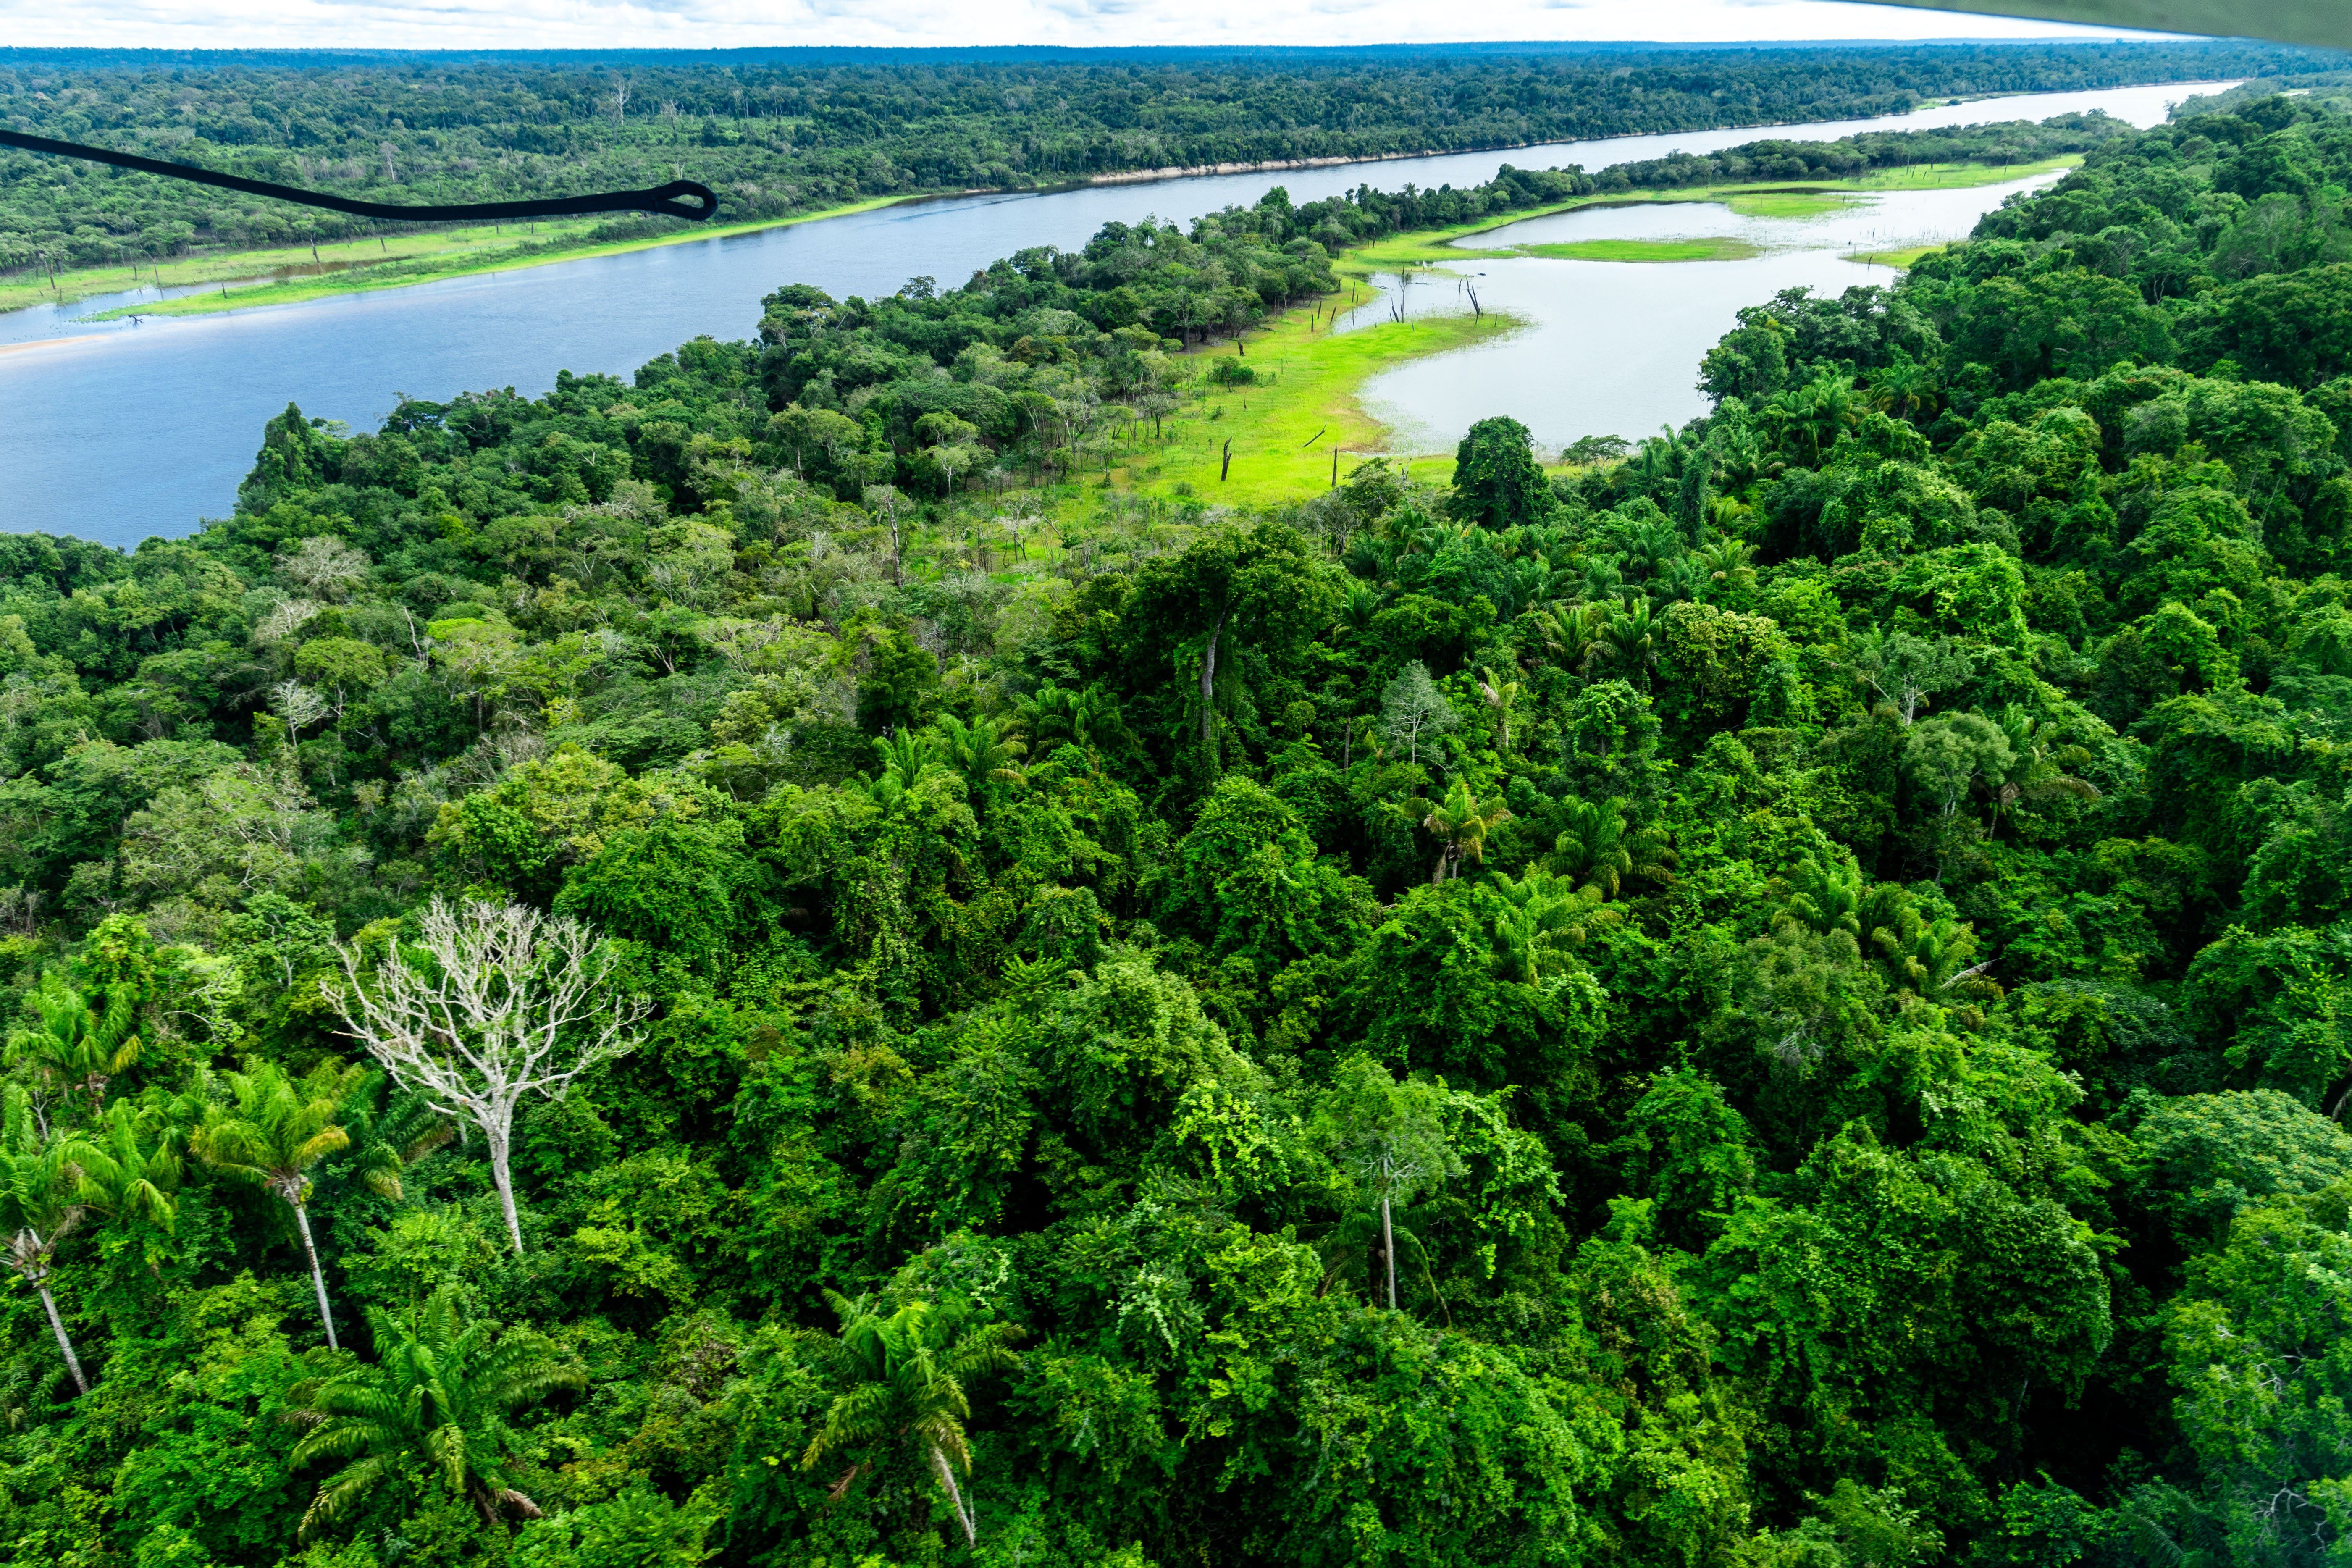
<point x="501" y="1002"/>
<point x="1389" y="1138"/>
<point x="1413" y="710"/>
<point x="51" y="1183"/>
<point x="1496" y="480"/>
<point x="278" y="1129"/>
<point x="1265" y="587"/>
<point x="40" y="1202"/>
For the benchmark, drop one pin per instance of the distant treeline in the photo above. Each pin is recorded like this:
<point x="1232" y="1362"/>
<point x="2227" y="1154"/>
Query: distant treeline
<point x="1365" y="213"/>
<point x="2015" y="141"/>
<point x="778" y="137"/>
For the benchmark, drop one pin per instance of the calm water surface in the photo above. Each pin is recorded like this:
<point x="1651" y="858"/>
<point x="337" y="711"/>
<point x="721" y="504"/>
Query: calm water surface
<point x="115" y="432"/>
<point x="1613" y="348"/>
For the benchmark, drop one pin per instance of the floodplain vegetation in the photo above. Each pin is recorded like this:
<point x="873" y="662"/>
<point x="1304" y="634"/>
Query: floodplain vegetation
<point x="668" y="974"/>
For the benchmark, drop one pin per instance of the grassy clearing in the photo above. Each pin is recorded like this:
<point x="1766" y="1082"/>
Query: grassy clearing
<point x="1794" y="203"/>
<point x="1954" y="176"/>
<point x="289" y="274"/>
<point x="1902" y="258"/>
<point x="1807" y="200"/>
<point x="1713" y="247"/>
<point x="1285" y="430"/>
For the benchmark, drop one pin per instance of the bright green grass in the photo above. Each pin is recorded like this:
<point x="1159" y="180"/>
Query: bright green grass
<point x="394" y="262"/>
<point x="241" y="269"/>
<point x="1791" y="203"/>
<point x="1903" y="257"/>
<point x="1711" y="247"/>
<point x="1283" y="430"/>
<point x="1770" y="200"/>
<point x="1953" y="176"/>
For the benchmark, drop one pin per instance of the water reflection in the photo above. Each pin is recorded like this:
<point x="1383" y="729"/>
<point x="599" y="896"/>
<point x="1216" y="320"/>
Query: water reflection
<point x="1613" y="348"/>
<point x="1886" y="222"/>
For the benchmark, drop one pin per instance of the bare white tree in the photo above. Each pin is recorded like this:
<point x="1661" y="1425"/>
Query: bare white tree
<point x="296" y="704"/>
<point x="283" y="619"/>
<point x="509" y="1003"/>
<point x="324" y="566"/>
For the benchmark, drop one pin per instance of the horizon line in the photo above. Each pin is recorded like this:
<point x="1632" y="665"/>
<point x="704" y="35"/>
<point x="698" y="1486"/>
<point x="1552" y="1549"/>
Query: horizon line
<point x="9" y="53"/>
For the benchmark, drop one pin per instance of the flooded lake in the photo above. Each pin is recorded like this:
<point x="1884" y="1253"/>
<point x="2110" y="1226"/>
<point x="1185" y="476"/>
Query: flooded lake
<point x="1612" y="348"/>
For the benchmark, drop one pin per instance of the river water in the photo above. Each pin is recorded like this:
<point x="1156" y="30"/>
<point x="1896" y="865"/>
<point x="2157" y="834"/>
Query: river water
<point x="115" y="432"/>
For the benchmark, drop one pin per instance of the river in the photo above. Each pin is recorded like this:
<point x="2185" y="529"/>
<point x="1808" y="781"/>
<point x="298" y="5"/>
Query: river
<point x="116" y="432"/>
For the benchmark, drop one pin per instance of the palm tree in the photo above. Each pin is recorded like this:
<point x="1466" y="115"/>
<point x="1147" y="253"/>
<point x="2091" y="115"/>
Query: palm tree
<point x="1360" y="605"/>
<point x="120" y="1174"/>
<point x="981" y="751"/>
<point x="1601" y="848"/>
<point x="279" y="1128"/>
<point x="1052" y="714"/>
<point x="1657" y="462"/>
<point x="1534" y="581"/>
<point x="1826" y="897"/>
<point x="907" y="759"/>
<point x="76" y="1046"/>
<point x="908" y="1372"/>
<point x="1904" y="388"/>
<point x="1541" y="915"/>
<point x="1925" y="957"/>
<point x="1727" y="561"/>
<point x="439" y="1397"/>
<point x="391" y="1140"/>
<point x="1684" y="579"/>
<point x="1654" y="542"/>
<point x="1728" y="514"/>
<point x="49" y="1185"/>
<point x="1566" y="630"/>
<point x="1627" y="639"/>
<point x="1460" y="823"/>
<point x="1604" y="579"/>
<point x="1821" y="411"/>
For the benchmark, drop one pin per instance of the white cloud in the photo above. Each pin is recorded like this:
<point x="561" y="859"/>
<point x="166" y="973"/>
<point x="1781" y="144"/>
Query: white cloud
<point x="735" y="24"/>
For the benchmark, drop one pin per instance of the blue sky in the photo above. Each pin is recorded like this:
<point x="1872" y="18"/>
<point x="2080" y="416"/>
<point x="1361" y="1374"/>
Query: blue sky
<point x="725" y="23"/>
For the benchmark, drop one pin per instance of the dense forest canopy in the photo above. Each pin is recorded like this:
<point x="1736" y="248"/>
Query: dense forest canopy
<point x="776" y="135"/>
<point x="1778" y="1001"/>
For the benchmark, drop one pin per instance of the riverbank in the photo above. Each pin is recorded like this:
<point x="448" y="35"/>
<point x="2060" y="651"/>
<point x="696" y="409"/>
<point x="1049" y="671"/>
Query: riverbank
<point x="1790" y="128"/>
<point x="1308" y="401"/>
<point x="1285" y="430"/>
<point x="1762" y="199"/>
<point x="294" y="274"/>
<point x="460" y="253"/>
<point x="1898" y="259"/>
